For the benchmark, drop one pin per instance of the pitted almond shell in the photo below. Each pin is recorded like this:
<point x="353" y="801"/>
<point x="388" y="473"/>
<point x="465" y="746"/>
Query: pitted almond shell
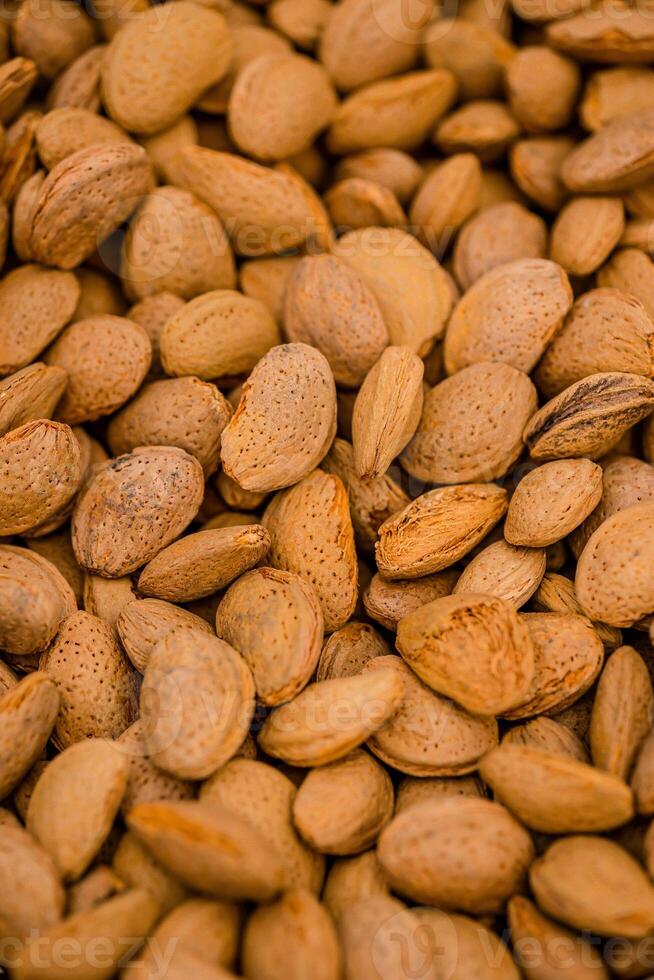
<point x="549" y="735"/>
<point x="42" y="471"/>
<point x="200" y="564"/>
<point x="622" y="712"/>
<point x="31" y="393"/>
<point x="285" y="421"/>
<point x="617" y="158"/>
<point x="501" y="232"/>
<point x="35" y="600"/>
<point x="133" y="507"/>
<point x="98" y="688"/>
<point x="273" y="618"/>
<point x="438" y="528"/>
<point x="145" y="781"/>
<point x="347" y="651"/>
<point x="472" y="648"/>
<point x="142" y="623"/>
<point x="27" y="715"/>
<point x="307" y="732"/>
<point x="429" y="735"/>
<point x="551" y="501"/>
<point x="197" y="701"/>
<point x="65" y="130"/>
<point x="504" y="571"/>
<point x="387" y="602"/>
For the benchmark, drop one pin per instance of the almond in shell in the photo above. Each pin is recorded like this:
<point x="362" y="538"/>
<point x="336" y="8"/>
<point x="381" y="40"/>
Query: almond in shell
<point x="36" y="304"/>
<point x="568" y="953"/>
<point x="36" y="599"/>
<point x="622" y="712"/>
<point x="31" y="393"/>
<point x="498" y="233"/>
<point x="505" y="571"/>
<point x="551" y="501"/>
<point x="387" y="602"/>
<point x="142" y="623"/>
<point x="27" y="715"/>
<point x="347" y="651"/>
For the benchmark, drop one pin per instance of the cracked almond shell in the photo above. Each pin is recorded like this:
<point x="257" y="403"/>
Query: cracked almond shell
<point x="133" y="507"/>
<point x="273" y="618"/>
<point x="285" y="421"/>
<point x="438" y="528"/>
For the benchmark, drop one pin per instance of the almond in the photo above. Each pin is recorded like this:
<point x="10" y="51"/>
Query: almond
<point x="394" y="169"/>
<point x="183" y="412"/>
<point x="218" y="333"/>
<point x="351" y="879"/>
<point x="535" y="165"/>
<point x="135" y="866"/>
<point x="356" y="203"/>
<point x="141" y="624"/>
<point x="109" y="178"/>
<point x="483" y="126"/>
<point x="36" y="305"/>
<point x="348" y="650"/>
<point x="505" y="571"/>
<point x="448" y="448"/>
<point x="615" y="92"/>
<point x="380" y="935"/>
<point x="475" y="54"/>
<point x="498" y="233"/>
<point x="17" y="79"/>
<point x="273" y="618"/>
<point x="510" y="315"/>
<point x="448" y="195"/>
<point x="36" y="599"/>
<point x="39" y="902"/>
<point x="75" y="801"/>
<point x="438" y="528"/>
<point x="106" y="358"/>
<point x="442" y="640"/>
<point x="145" y="781"/>
<point x="27" y="714"/>
<point x="617" y="158"/>
<point x="598" y="38"/>
<point x="64" y="131"/>
<point x="98" y="688"/>
<point x="313" y="729"/>
<point x="209" y="849"/>
<point x="191" y="254"/>
<point x="330" y="307"/>
<point x="585" y="233"/>
<point x="267" y="280"/>
<point x="200" y="927"/>
<point x="537" y="937"/>
<point x="29" y="394"/>
<point x="457" y="853"/>
<point x="542" y="88"/>
<point x="342" y="807"/>
<point x="632" y="271"/>
<point x="568" y="656"/>
<point x="202" y="563"/>
<point x="387" y="410"/>
<point x="388" y="602"/>
<point x="266" y="449"/>
<point x="622" y="712"/>
<point x="78" y="85"/>
<point x="549" y="735"/>
<point x="161" y="89"/>
<point x="412" y="289"/>
<point x="312" y="536"/>
<point x="51" y="35"/>
<point x="408" y="740"/>
<point x="41" y="465"/>
<point x="163" y="487"/>
<point x="554" y="794"/>
<point x="551" y="501"/>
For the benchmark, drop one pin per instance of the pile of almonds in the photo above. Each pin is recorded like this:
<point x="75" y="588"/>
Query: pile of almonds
<point x="327" y="490"/>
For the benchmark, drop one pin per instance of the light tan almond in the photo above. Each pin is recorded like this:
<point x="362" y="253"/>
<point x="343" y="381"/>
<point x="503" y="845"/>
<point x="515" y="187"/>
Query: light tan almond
<point x="387" y="410"/>
<point x="620" y="156"/>
<point x="379" y="935"/>
<point x="36" y="303"/>
<point x="84" y="199"/>
<point x="438" y="528"/>
<point x="542" y="88"/>
<point x="348" y="650"/>
<point x="199" y="927"/>
<point x="357" y="203"/>
<point x="197" y="701"/>
<point x="263" y="797"/>
<point x="145" y="781"/>
<point x="556" y="593"/>
<point x="106" y="359"/>
<point x="585" y="233"/>
<point x="138" y="869"/>
<point x="511" y="314"/>
<point x="622" y="712"/>
<point x="613" y="33"/>
<point x="351" y="879"/>
<point x="312" y="536"/>
<point x="449" y="194"/>
<point x="65" y="130"/>
<point x="285" y="421"/>
<point x="295" y="929"/>
<point x="152" y="313"/>
<point x="394" y="169"/>
<point x="474" y="52"/>
<point x="413" y="790"/>
<point x="472" y="648"/>
<point x="105" y="598"/>
<point x="184" y="412"/>
<point x="535" y="165"/>
<point x="311" y="731"/>
<point x="407" y="740"/>
<point x="17" y="79"/>
<point x="51" y="35"/>
<point x="612" y="583"/>
<point x="342" y="807"/>
<point x="35" y="600"/>
<point x="98" y="688"/>
<point x="483" y="126"/>
<point x="551" y="501"/>
<point x="41" y="466"/>
<point x="413" y="291"/>
<point x="273" y="618"/>
<point x="160" y="482"/>
<point x="267" y="280"/>
<point x="554" y="794"/>
<point x="190" y="254"/>
<point x="277" y="203"/>
<point x="449" y="447"/>
<point x="606" y="330"/>
<point x="498" y="233"/>
<point x="209" y="849"/>
<point x="568" y="656"/>
<point x="546" y="950"/>
<point x="27" y="715"/>
<point x="632" y="271"/>
<point x="549" y="735"/>
<point x="505" y="571"/>
<point x="330" y="307"/>
<point x="593" y="884"/>
<point x="642" y="777"/>
<point x="161" y="89"/>
<point x="142" y="623"/>
<point x="98" y="885"/>
<point x="388" y="602"/>
<point x="200" y="564"/>
<point x="39" y="901"/>
<point x="615" y="92"/>
<point x="457" y="853"/>
<point x="78" y="85"/>
<point x="75" y="801"/>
